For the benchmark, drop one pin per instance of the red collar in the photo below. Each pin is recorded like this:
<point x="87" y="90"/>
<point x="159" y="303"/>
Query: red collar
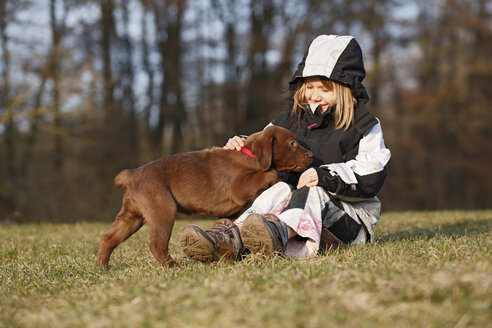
<point x="247" y="152"/>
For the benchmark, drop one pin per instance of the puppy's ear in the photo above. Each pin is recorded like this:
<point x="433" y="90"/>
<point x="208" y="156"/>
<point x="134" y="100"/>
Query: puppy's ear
<point x="262" y="148"/>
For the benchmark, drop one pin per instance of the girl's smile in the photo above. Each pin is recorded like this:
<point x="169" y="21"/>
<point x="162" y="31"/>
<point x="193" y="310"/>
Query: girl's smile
<point x="317" y="93"/>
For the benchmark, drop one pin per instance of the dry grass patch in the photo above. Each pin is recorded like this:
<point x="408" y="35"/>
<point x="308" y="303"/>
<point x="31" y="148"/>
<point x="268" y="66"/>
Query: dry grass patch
<point x="425" y="269"/>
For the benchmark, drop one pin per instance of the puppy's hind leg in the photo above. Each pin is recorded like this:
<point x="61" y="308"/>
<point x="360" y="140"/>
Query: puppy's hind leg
<point x="160" y="217"/>
<point x="127" y="222"/>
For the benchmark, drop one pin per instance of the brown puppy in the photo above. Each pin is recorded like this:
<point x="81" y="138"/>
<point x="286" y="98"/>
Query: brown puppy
<point x="215" y="182"/>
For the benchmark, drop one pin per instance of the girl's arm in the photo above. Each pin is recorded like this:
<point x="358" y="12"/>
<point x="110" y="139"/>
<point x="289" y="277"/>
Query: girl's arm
<point x="362" y="176"/>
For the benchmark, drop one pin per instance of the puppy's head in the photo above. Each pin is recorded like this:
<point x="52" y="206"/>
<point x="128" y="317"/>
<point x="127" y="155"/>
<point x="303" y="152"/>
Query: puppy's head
<point x="276" y="147"/>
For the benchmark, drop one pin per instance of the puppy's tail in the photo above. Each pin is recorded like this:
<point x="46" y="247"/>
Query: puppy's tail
<point x="123" y="178"/>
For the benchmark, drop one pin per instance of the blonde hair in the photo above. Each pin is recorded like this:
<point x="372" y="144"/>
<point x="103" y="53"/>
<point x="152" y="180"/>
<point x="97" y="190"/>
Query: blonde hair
<point x="344" y="102"/>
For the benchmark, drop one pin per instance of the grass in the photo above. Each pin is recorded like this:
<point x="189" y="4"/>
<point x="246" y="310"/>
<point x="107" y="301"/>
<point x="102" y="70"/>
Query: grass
<point x="425" y="269"/>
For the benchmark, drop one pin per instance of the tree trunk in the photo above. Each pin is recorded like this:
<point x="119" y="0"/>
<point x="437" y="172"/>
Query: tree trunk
<point x="169" y="23"/>
<point x="178" y="108"/>
<point x="227" y="11"/>
<point x="160" y="11"/>
<point x="54" y="71"/>
<point x="231" y="86"/>
<point x="259" y="96"/>
<point x="130" y="124"/>
<point x="149" y="70"/>
<point x="107" y="22"/>
<point x="5" y="97"/>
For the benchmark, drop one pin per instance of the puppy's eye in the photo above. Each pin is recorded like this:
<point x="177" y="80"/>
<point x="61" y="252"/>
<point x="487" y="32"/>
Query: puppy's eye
<point x="292" y="143"/>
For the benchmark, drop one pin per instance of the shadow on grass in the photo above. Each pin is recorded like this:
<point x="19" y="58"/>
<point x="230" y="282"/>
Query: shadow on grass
<point x="458" y="229"/>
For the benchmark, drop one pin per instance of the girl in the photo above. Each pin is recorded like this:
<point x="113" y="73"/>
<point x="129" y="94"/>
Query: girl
<point x="335" y="200"/>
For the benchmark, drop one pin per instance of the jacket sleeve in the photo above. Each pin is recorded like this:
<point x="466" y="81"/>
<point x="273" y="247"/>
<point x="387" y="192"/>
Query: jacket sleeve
<point x="360" y="177"/>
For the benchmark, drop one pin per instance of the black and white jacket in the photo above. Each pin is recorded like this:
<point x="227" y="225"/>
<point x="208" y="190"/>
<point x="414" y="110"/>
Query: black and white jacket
<point x="351" y="164"/>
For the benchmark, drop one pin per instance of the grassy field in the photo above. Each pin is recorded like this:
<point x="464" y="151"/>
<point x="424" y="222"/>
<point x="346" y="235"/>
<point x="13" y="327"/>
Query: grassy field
<point x="426" y="269"/>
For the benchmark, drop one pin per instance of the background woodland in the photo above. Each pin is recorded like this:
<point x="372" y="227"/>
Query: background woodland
<point x="89" y="87"/>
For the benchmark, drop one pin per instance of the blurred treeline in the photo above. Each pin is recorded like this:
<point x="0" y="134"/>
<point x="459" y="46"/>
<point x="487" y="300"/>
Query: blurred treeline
<point x="91" y="87"/>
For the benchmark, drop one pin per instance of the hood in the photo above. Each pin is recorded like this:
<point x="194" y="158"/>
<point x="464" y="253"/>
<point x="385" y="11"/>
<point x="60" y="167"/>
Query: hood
<point x="337" y="57"/>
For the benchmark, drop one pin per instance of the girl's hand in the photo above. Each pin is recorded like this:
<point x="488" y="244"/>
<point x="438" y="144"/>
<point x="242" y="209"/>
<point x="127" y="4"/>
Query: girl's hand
<point x="308" y="178"/>
<point x="234" y="143"/>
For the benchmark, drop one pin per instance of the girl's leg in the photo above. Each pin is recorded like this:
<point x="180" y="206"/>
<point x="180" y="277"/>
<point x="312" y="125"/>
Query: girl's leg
<point x="312" y="211"/>
<point x="304" y="212"/>
<point x="341" y="220"/>
<point x="224" y="239"/>
<point x="273" y="200"/>
<point x="265" y="233"/>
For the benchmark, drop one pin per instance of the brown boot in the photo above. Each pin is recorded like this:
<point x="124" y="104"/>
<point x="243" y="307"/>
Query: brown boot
<point x="264" y="234"/>
<point x="221" y="241"/>
<point x="328" y="240"/>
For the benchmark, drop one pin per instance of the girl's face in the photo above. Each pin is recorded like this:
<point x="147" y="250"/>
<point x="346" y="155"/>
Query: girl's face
<point x="316" y="93"/>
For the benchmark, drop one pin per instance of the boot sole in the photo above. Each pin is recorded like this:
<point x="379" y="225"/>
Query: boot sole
<point x="257" y="237"/>
<point x="196" y="245"/>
